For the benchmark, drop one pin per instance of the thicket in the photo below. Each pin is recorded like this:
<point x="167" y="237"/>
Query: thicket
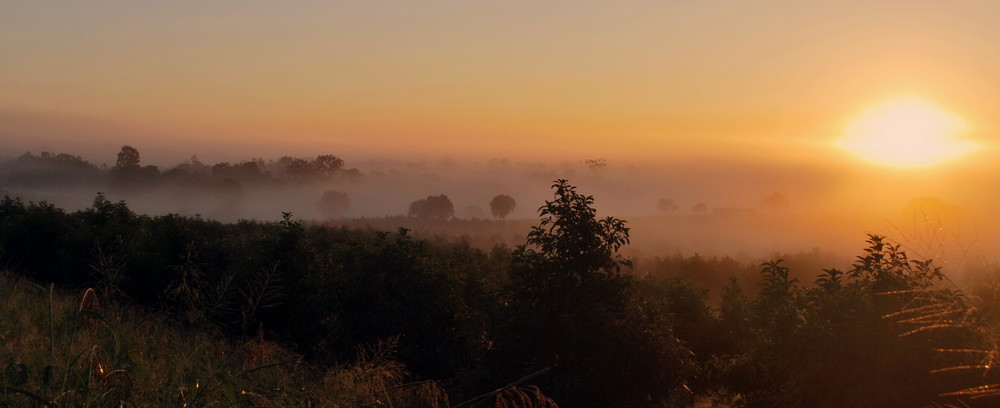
<point x="562" y="312"/>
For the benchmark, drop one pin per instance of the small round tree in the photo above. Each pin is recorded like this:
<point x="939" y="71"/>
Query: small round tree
<point x="437" y="207"/>
<point x="666" y="205"/>
<point x="333" y="203"/>
<point x="501" y="205"/>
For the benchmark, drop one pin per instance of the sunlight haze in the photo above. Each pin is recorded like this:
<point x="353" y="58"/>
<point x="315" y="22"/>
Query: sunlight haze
<point x="907" y="132"/>
<point x="849" y="108"/>
<point x="500" y="203"/>
<point x="639" y="79"/>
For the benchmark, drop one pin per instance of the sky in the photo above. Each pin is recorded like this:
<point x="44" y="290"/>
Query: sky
<point x="640" y="80"/>
<point x="721" y="102"/>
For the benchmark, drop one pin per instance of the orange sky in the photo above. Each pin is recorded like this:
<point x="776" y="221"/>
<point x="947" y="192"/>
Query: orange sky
<point x="720" y="101"/>
<point x="644" y="79"/>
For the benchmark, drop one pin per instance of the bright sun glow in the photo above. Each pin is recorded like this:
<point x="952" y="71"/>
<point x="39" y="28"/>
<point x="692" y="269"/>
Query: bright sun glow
<point x="906" y="132"/>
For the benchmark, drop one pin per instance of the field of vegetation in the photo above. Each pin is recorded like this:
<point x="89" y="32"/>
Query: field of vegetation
<point x="106" y="307"/>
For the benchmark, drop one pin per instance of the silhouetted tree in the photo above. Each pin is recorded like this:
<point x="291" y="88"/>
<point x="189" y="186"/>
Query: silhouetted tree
<point x="128" y="157"/>
<point x="193" y="165"/>
<point x="128" y="174"/>
<point x="327" y="165"/>
<point x="571" y="236"/>
<point x="666" y="205"/>
<point x="280" y="166"/>
<point x="699" y="208"/>
<point x="501" y="205"/>
<point x="246" y="171"/>
<point x="434" y="207"/>
<point x="572" y="310"/>
<point x="351" y="173"/>
<point x="323" y="166"/>
<point x="299" y="168"/>
<point x="333" y="203"/>
<point x="221" y="169"/>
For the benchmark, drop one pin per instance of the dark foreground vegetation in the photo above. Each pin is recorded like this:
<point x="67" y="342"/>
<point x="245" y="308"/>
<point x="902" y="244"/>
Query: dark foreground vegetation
<point x="103" y="307"/>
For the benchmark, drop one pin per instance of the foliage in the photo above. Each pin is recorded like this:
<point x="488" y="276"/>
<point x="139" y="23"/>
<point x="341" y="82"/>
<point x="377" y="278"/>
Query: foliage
<point x="571" y="237"/>
<point x="128" y="157"/>
<point x="248" y="171"/>
<point x="327" y="165"/>
<point x="848" y="332"/>
<point x="568" y="302"/>
<point x="127" y="174"/>
<point x="502" y="205"/>
<point x="707" y="272"/>
<point x="47" y="169"/>
<point x="184" y="309"/>
<point x="666" y="205"/>
<point x="323" y="166"/>
<point x="437" y="207"/>
<point x="63" y="350"/>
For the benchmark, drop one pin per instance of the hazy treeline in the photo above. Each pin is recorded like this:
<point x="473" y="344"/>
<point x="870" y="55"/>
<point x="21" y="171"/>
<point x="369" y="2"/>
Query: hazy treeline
<point x="192" y="179"/>
<point x="682" y="208"/>
<point x="48" y="169"/>
<point x="322" y="187"/>
<point x="563" y="308"/>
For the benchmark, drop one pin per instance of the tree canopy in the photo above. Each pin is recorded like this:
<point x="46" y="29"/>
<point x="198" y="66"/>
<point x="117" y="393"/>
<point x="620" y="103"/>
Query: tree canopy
<point x="128" y="157"/>
<point x="437" y="207"/>
<point x="502" y="205"/>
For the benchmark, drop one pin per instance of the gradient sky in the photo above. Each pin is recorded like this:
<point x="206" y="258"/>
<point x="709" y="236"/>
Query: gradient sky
<point x="643" y="79"/>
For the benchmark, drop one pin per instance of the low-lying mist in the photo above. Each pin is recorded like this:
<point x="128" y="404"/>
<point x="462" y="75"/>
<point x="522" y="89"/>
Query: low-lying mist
<point x="748" y="210"/>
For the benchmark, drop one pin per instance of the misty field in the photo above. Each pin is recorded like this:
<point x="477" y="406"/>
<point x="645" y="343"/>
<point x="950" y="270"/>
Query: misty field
<point x="499" y="204"/>
<point x="104" y="306"/>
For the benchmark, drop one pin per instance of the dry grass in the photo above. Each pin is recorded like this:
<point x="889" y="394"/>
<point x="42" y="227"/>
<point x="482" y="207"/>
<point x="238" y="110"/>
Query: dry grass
<point x="522" y="397"/>
<point x="935" y="310"/>
<point x="60" y="349"/>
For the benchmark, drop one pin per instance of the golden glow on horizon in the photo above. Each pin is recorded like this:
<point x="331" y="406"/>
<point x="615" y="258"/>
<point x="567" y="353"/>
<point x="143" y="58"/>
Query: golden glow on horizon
<point x="560" y="80"/>
<point x="906" y="132"/>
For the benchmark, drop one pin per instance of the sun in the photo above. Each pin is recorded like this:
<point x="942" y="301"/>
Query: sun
<point x="906" y="132"/>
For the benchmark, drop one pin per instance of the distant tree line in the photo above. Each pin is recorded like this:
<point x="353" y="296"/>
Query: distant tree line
<point x="49" y="169"/>
<point x="128" y="173"/>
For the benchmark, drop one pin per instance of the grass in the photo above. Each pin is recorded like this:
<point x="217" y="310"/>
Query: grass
<point x="62" y="349"/>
